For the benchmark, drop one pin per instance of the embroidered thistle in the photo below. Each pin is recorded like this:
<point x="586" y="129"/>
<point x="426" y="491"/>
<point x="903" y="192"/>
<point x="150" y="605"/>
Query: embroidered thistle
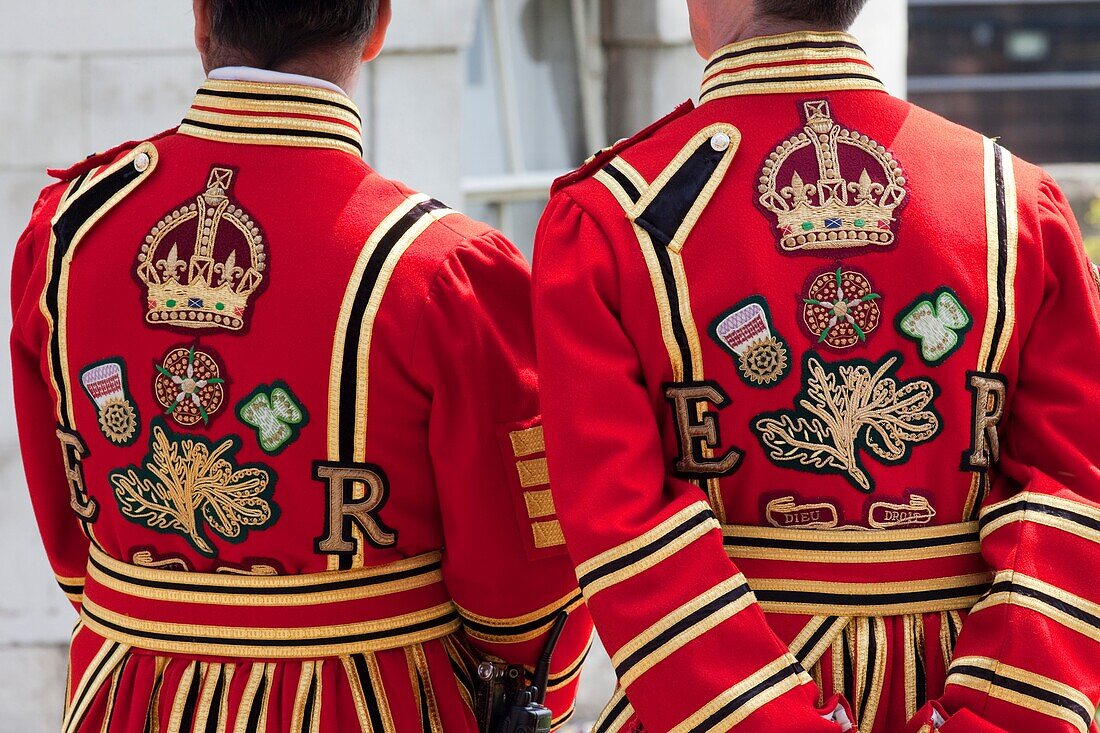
<point x="763" y="359"/>
<point x="188" y="485"/>
<point x="105" y="385"/>
<point x="849" y="408"/>
<point x="841" y="308"/>
<point x="189" y="386"/>
<point x="938" y="322"/>
<point x="274" y="414"/>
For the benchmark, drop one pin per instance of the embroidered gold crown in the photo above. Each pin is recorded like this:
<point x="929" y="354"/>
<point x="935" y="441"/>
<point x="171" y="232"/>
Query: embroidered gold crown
<point x="832" y="188"/>
<point x="203" y="262"/>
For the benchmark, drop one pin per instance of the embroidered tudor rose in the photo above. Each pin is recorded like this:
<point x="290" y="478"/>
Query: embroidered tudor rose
<point x="189" y="386"/>
<point x="840" y="308"/>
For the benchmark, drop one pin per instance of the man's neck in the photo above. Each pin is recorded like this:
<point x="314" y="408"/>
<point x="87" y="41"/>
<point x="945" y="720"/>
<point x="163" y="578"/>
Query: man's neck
<point x="346" y="81"/>
<point x="765" y="26"/>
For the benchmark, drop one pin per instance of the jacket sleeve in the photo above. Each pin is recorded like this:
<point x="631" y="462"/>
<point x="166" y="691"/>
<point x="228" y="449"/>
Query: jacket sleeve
<point x="1028" y="657"/>
<point x="61" y="529"/>
<point x="690" y="646"/>
<point x="504" y="562"/>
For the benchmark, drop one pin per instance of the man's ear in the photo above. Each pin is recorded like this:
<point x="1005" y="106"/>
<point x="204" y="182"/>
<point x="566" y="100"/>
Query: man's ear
<point x="378" y="35"/>
<point x="201" y="9"/>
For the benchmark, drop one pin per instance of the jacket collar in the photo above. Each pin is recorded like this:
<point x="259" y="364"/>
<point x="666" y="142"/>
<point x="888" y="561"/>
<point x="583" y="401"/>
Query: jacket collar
<point x="806" y="62"/>
<point x="291" y="115"/>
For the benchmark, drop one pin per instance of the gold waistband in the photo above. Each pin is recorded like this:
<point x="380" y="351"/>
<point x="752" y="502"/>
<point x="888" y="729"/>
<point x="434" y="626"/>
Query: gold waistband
<point x="861" y="573"/>
<point x="268" y="617"/>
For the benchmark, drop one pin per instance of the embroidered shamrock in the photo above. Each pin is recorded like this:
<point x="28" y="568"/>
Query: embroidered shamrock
<point x="189" y="386"/>
<point x="841" y="309"/>
<point x="938" y="322"/>
<point x="275" y="415"/>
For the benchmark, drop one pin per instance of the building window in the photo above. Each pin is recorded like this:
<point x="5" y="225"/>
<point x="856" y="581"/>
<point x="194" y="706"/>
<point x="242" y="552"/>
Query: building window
<point x="1026" y="72"/>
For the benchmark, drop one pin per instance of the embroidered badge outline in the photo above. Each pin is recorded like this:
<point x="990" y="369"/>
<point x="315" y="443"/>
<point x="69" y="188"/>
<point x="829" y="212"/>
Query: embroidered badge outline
<point x="205" y="262"/>
<point x="916" y="512"/>
<point x="762" y="356"/>
<point x="846" y="409"/>
<point x="189" y="385"/>
<point x="835" y="213"/>
<point x="938" y="323"/>
<point x="275" y="414"/>
<point x="786" y="513"/>
<point x="106" y="384"/>
<point x="193" y="487"/>
<point x="841" y="308"/>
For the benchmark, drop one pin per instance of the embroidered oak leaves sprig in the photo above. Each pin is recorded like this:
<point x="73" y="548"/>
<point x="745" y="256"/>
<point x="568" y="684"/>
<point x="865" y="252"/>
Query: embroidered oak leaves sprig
<point x="846" y="409"/>
<point x="188" y="484"/>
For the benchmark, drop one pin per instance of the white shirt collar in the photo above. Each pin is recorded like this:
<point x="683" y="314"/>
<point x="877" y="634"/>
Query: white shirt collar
<point x="267" y="76"/>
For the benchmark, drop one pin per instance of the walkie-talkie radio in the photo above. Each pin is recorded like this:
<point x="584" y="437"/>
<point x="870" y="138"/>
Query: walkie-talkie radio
<point x="505" y="704"/>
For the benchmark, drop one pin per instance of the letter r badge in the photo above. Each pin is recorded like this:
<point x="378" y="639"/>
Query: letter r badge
<point x="350" y="505"/>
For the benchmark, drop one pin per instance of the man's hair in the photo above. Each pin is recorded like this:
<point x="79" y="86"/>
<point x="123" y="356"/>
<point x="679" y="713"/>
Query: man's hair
<point x="268" y="33"/>
<point x="825" y="13"/>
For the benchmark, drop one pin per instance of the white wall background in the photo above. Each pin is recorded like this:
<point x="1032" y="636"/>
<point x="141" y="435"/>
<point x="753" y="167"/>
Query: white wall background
<point x="79" y="76"/>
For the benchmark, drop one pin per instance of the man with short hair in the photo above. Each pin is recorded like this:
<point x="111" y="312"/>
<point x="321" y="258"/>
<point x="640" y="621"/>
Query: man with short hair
<point x="279" y="414"/>
<point x="818" y="374"/>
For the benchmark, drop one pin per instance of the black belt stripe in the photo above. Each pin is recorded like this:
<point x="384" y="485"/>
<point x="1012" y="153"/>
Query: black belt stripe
<point x="277" y="98"/>
<point x="788" y="79"/>
<point x="1025" y="689"/>
<point x="516" y="629"/>
<point x="78" y="213"/>
<point x="350" y="357"/>
<point x="280" y="643"/>
<point x="687" y="622"/>
<point x="1007" y="586"/>
<point x="822" y="630"/>
<point x="872" y="599"/>
<point x="1037" y="508"/>
<point x="366" y="684"/>
<point x="711" y="723"/>
<point x="278" y="131"/>
<point x="858" y="546"/>
<point x="668" y="537"/>
<point x="1002" y="260"/>
<point x="335" y="585"/>
<point x="784" y="47"/>
<point x="621" y="178"/>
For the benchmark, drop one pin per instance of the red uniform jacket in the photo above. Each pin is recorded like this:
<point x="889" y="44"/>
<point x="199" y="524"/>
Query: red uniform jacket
<point x="819" y="377"/>
<point x="280" y="423"/>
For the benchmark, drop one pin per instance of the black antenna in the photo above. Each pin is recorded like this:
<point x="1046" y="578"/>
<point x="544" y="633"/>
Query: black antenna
<point x="542" y="670"/>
